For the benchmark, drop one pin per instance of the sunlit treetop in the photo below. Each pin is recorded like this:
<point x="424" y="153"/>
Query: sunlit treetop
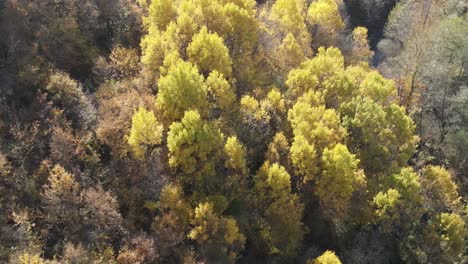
<point x="441" y="187"/>
<point x="216" y="233"/>
<point x="278" y="149"/>
<point x="252" y="107"/>
<point x="221" y="93"/>
<point x="273" y="180"/>
<point x="62" y="184"/>
<point x="290" y="52"/>
<point x="182" y="89"/>
<point x="235" y="155"/>
<point x="208" y="13"/>
<point x="276" y="101"/>
<point x="314" y="73"/>
<point x="208" y="52"/>
<point x="160" y="13"/>
<point x="324" y="18"/>
<point x="386" y="203"/>
<point x="243" y="27"/>
<point x="382" y="136"/>
<point x="338" y="180"/>
<point x="376" y="87"/>
<point x="451" y="228"/>
<point x="318" y="125"/>
<point x="328" y="257"/>
<point x="195" y="146"/>
<point x="325" y="13"/>
<point x="145" y="131"/>
<point x="290" y="17"/>
<point x="282" y="211"/>
<point x="407" y="182"/>
<point x="361" y="52"/>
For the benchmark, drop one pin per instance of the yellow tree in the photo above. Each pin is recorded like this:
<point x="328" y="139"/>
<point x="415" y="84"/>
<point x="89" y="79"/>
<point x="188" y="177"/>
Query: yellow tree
<point x="221" y="93"/>
<point x="451" y="228"/>
<point x="218" y="237"/>
<point x="160" y="13"/>
<point x="243" y="27"/>
<point x="195" y="146"/>
<point x="337" y="182"/>
<point x="146" y="131"/>
<point x="236" y="162"/>
<point x="315" y="128"/>
<point x="289" y="16"/>
<point x="182" y="89"/>
<point x="316" y="74"/>
<point x="278" y="150"/>
<point x="328" y="257"/>
<point x="440" y="188"/>
<point x="325" y="16"/>
<point x="290" y="52"/>
<point x="208" y="52"/>
<point x="235" y="155"/>
<point x="208" y="13"/>
<point x="172" y="225"/>
<point x="400" y="206"/>
<point x="280" y="209"/>
<point x="63" y="202"/>
<point x="381" y="136"/>
<point x="361" y="52"/>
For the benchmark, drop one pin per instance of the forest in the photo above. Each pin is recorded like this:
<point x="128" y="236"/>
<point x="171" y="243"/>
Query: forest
<point x="233" y="131"/>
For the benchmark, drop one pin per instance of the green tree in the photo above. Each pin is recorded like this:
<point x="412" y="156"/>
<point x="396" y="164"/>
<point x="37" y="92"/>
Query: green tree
<point x="386" y="206"/>
<point x="315" y="128"/>
<point x="319" y="126"/>
<point x="377" y="88"/>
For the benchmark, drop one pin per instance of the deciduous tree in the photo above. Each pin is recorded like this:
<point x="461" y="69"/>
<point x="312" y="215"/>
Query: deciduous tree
<point x="195" y="146"/>
<point x="218" y="237"/>
<point x="208" y="52"/>
<point x="182" y="89"/>
<point x="146" y="131"/>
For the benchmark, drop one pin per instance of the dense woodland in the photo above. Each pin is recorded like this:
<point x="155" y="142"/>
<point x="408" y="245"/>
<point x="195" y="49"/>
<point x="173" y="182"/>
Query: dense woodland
<point x="233" y="131"/>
